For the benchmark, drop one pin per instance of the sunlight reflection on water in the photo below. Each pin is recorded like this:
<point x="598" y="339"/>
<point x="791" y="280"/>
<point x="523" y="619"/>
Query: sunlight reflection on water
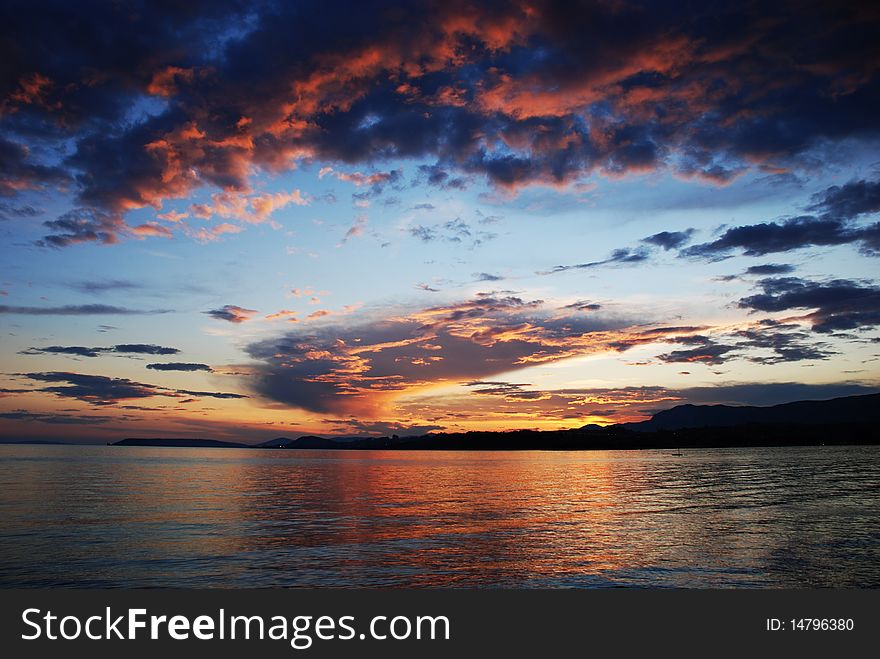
<point x="129" y="516"/>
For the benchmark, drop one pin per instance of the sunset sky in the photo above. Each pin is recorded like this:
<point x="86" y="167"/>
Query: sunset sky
<point x="244" y="220"/>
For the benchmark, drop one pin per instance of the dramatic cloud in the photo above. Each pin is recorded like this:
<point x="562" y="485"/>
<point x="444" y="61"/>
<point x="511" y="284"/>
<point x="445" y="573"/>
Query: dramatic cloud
<point x="837" y="305"/>
<point x="232" y="313"/>
<point x="79" y="310"/>
<point x="179" y="366"/>
<point x="514" y="94"/>
<point x="357" y="366"/>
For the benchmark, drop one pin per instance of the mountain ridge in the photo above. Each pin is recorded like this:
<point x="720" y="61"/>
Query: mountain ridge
<point x="838" y="421"/>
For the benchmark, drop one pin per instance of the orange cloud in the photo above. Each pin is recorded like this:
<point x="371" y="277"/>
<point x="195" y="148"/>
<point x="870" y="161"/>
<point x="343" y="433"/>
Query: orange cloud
<point x="250" y="208"/>
<point x="165" y="81"/>
<point x="151" y="229"/>
<point x="207" y="235"/>
<point x="284" y="314"/>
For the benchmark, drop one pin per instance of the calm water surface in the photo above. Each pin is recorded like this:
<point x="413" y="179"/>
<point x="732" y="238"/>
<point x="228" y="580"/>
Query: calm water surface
<point x="128" y="516"/>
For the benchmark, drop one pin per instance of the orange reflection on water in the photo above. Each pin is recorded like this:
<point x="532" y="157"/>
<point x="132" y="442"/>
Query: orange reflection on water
<point x="189" y="517"/>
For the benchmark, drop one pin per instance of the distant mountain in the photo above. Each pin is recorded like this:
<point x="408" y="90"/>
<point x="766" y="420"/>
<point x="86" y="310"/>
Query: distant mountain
<point x="854" y="420"/>
<point x="189" y="443"/>
<point x="278" y="442"/>
<point x="307" y="441"/>
<point x="851" y="409"/>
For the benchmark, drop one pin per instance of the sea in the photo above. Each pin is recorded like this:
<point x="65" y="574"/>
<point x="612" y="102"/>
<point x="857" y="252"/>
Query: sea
<point x="123" y="517"/>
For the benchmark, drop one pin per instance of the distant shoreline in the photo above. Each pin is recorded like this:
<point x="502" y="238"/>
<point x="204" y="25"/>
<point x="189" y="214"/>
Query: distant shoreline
<point x="596" y="439"/>
<point x="847" y="421"/>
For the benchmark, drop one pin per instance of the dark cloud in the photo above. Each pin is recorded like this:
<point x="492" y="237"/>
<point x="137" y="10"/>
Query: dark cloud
<point x="839" y="304"/>
<point x="438" y="177"/>
<point x="870" y="239"/>
<point x="783" y="344"/>
<point x="55" y="419"/>
<point x="179" y="366"/>
<point x="669" y="239"/>
<point x="768" y="345"/>
<point x="78" y="351"/>
<point x="486" y="276"/>
<point x="770" y="269"/>
<point x="101" y="390"/>
<point x="423" y="233"/>
<point x="766" y="342"/>
<point x="106" y="285"/>
<point x="622" y="256"/>
<point x="652" y="335"/>
<point x="375" y="183"/>
<point x="583" y="305"/>
<point x="10" y="212"/>
<point x="705" y="351"/>
<point x="209" y="394"/>
<point x="838" y="207"/>
<point x="507" y="390"/>
<point x="94" y="389"/>
<point x="83" y="225"/>
<point x="848" y="201"/>
<point x="455" y="231"/>
<point x="666" y="240"/>
<point x="605" y="413"/>
<point x="82" y="351"/>
<point x="18" y="172"/>
<point x="781" y="236"/>
<point x="154" y="103"/>
<point x="79" y="310"/>
<point x="231" y="313"/>
<point x="145" y="349"/>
